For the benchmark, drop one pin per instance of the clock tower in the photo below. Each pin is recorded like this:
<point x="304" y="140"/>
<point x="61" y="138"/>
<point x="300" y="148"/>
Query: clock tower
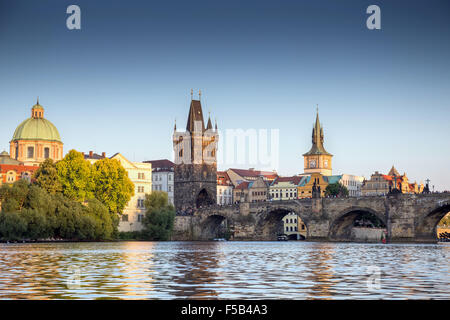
<point x="318" y="160"/>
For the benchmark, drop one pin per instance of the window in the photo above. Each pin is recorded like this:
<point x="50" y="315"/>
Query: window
<point x="141" y="175"/>
<point x="140" y="189"/>
<point x="46" y="153"/>
<point x="140" y="203"/>
<point x="125" y="218"/>
<point x="140" y="217"/>
<point x="30" y="152"/>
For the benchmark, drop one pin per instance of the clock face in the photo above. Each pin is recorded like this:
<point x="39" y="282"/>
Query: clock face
<point x="312" y="164"/>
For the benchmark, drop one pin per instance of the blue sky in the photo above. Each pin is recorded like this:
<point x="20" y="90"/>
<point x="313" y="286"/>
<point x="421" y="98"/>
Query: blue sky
<point x="117" y="84"/>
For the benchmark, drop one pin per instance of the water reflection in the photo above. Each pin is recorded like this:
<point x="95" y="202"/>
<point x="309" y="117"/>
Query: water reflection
<point x="223" y="270"/>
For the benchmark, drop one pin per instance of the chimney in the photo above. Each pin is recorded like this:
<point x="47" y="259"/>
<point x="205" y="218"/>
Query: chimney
<point x="103" y="154"/>
<point x="91" y="153"/>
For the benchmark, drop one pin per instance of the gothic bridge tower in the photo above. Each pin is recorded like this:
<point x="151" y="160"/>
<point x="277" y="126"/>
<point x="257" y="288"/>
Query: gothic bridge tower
<point x="195" y="170"/>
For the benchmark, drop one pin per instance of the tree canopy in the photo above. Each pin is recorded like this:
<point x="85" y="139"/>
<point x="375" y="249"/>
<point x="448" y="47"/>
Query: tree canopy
<point x="159" y="217"/>
<point x="336" y="190"/>
<point x="75" y="176"/>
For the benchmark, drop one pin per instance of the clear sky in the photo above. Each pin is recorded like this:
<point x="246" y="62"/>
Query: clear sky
<point x="117" y="84"/>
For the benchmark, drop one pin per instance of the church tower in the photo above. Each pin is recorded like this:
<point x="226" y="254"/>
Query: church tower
<point x="195" y="170"/>
<point x="318" y="160"/>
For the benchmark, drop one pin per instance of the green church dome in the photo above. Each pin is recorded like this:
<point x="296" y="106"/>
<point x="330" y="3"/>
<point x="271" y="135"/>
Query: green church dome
<point x="36" y="129"/>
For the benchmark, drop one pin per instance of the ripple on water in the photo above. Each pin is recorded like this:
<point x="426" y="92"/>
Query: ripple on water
<point x="225" y="270"/>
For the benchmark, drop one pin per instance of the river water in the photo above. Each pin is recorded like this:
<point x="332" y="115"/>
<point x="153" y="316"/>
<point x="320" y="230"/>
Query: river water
<point x="224" y="270"/>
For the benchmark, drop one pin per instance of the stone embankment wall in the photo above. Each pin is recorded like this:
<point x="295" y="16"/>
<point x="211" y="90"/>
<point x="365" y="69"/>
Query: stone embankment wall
<point x="367" y="234"/>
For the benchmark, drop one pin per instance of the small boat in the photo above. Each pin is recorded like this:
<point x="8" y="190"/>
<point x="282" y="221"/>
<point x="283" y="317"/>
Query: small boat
<point x="282" y="237"/>
<point x="219" y="239"/>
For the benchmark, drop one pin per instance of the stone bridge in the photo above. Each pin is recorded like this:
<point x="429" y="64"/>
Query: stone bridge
<point x="407" y="217"/>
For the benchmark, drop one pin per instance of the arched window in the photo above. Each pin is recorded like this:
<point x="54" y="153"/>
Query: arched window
<point x="46" y="153"/>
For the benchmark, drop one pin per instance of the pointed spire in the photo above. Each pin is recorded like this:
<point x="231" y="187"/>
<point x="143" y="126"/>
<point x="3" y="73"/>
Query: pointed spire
<point x="199" y="94"/>
<point x="192" y="94"/>
<point x="209" y="125"/>
<point x="175" y="126"/>
<point x="37" y="100"/>
<point x="215" y="120"/>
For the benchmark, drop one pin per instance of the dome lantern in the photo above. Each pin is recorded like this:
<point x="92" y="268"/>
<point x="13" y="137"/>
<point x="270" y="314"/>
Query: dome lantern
<point x="37" y="111"/>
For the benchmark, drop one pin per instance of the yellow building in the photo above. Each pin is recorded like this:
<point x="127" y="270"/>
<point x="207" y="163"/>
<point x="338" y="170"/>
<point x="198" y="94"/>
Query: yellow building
<point x="317" y="159"/>
<point x="294" y="227"/>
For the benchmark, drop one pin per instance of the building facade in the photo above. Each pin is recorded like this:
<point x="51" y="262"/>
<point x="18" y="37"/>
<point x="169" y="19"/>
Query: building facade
<point x="253" y="191"/>
<point x="195" y="167"/>
<point x="224" y="189"/>
<point x="141" y="176"/>
<point x="163" y="177"/>
<point x="294" y="227"/>
<point x="284" y="188"/>
<point x="36" y="139"/>
<point x="352" y="183"/>
<point x="381" y="184"/>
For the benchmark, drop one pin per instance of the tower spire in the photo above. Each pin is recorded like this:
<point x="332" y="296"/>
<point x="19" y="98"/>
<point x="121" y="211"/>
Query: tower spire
<point x="199" y="94"/>
<point x="192" y="94"/>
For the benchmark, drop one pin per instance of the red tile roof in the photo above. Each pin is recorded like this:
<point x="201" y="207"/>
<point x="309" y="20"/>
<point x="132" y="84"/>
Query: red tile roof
<point x="243" y="185"/>
<point x="255" y="173"/>
<point x="223" y="179"/>
<point x="4" y="168"/>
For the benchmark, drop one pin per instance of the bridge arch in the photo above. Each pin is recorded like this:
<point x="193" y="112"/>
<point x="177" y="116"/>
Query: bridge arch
<point x="341" y="227"/>
<point x="213" y="227"/>
<point x="426" y="226"/>
<point x="270" y="224"/>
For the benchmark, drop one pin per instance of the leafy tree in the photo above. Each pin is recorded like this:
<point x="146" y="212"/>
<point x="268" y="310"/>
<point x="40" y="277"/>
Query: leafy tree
<point x="14" y="196"/>
<point x="159" y="217"/>
<point x="47" y="177"/>
<point x="75" y="175"/>
<point x="336" y="190"/>
<point x="111" y="185"/>
<point x="37" y="224"/>
<point x="104" y="225"/>
<point x="12" y="226"/>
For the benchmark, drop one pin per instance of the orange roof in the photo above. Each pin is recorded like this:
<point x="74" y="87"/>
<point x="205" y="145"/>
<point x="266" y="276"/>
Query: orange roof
<point x="223" y="179"/>
<point x="243" y="185"/>
<point x="4" y="168"/>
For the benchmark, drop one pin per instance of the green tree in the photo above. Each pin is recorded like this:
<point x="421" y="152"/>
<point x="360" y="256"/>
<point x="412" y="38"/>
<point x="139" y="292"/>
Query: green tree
<point x="111" y="185"/>
<point x="159" y="217"/>
<point x="46" y="177"/>
<point x="14" y="196"/>
<point x="37" y="224"/>
<point x="12" y="226"/>
<point x="103" y="224"/>
<point x="75" y="175"/>
<point x="336" y="190"/>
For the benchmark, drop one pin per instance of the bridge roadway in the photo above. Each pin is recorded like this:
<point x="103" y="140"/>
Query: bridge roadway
<point x="407" y="217"/>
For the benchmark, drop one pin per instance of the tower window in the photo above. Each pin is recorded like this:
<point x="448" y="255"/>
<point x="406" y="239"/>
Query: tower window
<point x="47" y="153"/>
<point x="30" y="152"/>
